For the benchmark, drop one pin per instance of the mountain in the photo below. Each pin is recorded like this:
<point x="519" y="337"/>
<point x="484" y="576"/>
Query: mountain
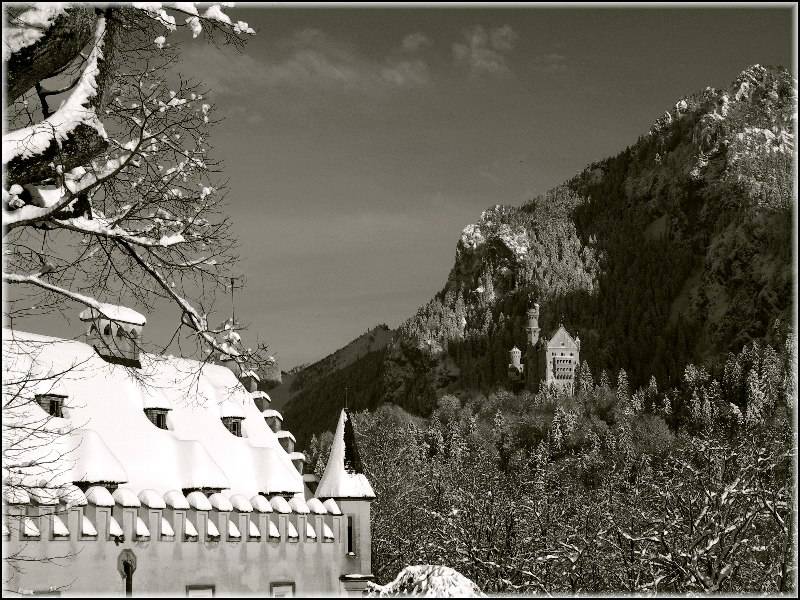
<point x="678" y="249"/>
<point x="301" y="379"/>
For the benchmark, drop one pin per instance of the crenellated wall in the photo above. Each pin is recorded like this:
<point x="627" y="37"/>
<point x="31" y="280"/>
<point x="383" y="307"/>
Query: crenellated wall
<point x="166" y="566"/>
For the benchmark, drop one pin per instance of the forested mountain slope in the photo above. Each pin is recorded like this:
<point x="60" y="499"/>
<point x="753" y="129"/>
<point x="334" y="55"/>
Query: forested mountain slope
<point x="676" y="250"/>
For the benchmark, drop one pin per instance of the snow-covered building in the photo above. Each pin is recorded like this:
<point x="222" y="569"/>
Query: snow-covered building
<point x="548" y="361"/>
<point x="162" y="475"/>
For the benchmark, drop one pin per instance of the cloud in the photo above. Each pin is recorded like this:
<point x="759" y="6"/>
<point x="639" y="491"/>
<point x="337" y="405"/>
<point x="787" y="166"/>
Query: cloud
<point x="549" y="63"/>
<point x="415" y="41"/>
<point x="307" y="59"/>
<point x="485" y="51"/>
<point x="406" y="73"/>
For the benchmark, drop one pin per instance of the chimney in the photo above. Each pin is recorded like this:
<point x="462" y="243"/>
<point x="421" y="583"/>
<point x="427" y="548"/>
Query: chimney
<point x="115" y="332"/>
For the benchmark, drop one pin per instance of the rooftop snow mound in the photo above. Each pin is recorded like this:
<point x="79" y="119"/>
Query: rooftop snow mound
<point x="117" y="442"/>
<point x="430" y="581"/>
<point x="113" y="312"/>
<point x="344" y="475"/>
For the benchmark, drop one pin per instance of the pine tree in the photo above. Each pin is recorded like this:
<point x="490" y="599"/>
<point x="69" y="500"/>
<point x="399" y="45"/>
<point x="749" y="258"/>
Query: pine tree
<point x="604" y="380"/>
<point x="755" y="407"/>
<point x="623" y="392"/>
<point x="585" y="379"/>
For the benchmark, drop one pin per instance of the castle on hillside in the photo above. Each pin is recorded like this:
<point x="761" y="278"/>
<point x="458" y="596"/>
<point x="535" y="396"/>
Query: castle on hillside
<point x="157" y="475"/>
<point x="546" y="361"/>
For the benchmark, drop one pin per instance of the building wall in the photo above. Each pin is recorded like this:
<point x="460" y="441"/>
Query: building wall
<point x="168" y="567"/>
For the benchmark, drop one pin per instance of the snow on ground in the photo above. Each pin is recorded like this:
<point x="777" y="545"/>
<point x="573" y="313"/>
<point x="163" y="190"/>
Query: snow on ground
<point x="427" y="581"/>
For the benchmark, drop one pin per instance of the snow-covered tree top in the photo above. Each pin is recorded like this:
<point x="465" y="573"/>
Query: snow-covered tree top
<point x="427" y="581"/>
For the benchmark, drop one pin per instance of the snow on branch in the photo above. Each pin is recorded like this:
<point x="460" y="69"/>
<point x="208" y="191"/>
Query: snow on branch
<point x="75" y="111"/>
<point x="29" y="27"/>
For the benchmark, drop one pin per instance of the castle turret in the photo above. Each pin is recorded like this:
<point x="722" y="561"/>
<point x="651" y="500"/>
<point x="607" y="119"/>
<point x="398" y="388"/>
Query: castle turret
<point x="533" y="329"/>
<point x="345" y="482"/>
<point x="515" y="355"/>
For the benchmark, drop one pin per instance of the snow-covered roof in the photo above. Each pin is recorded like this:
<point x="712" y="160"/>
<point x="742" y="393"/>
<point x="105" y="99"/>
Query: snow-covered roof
<point x="316" y="507"/>
<point x="241" y="503"/>
<point x="99" y="496"/>
<point x="152" y="499"/>
<point x="298" y="504"/>
<point x="125" y="497"/>
<point x="113" y="312"/>
<point x="285" y="434"/>
<point x="261" y="504"/>
<point x="115" y="442"/>
<point x="260" y="394"/>
<point x="344" y="476"/>
<point x="297" y="456"/>
<point x="220" y="502"/>
<point x="71" y="495"/>
<point x="280" y="505"/>
<point x="228" y="408"/>
<point x="271" y="412"/>
<point x="331" y="506"/>
<point x="198" y="501"/>
<point x="175" y="499"/>
<point x="94" y="462"/>
<point x="44" y="495"/>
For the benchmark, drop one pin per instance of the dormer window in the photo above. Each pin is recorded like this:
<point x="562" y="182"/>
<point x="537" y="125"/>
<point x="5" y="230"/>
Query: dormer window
<point x="52" y="404"/>
<point x="234" y="425"/>
<point x="157" y="416"/>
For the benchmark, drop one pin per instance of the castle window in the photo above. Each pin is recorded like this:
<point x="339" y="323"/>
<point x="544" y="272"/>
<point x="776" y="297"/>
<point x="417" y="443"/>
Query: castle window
<point x="59" y="530"/>
<point x="30" y="529"/>
<point x="52" y="404"/>
<point x="351" y="543"/>
<point x="157" y="416"/>
<point x="120" y="332"/>
<point x="234" y="425"/>
<point x="107" y="329"/>
<point x="167" y="532"/>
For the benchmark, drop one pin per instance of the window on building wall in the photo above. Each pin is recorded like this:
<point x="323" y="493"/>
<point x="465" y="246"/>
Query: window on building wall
<point x="234" y="425"/>
<point x="200" y="591"/>
<point x="351" y="542"/>
<point x="107" y="329"/>
<point x="283" y="589"/>
<point x="30" y="528"/>
<point x="52" y="404"/>
<point x="157" y="416"/>
<point x="189" y="530"/>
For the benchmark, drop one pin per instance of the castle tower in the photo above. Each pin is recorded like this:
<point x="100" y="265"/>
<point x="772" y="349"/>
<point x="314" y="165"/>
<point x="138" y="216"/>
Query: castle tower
<point x="533" y="329"/>
<point x="345" y="482"/>
<point x="515" y="355"/>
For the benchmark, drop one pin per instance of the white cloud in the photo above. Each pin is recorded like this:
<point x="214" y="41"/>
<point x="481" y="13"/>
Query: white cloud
<point x="307" y="59"/>
<point x="485" y="51"/>
<point x="406" y="73"/>
<point x="415" y="41"/>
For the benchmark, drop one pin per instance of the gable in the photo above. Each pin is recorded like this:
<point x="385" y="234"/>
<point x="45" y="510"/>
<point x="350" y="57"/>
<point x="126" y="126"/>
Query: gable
<point x="562" y="340"/>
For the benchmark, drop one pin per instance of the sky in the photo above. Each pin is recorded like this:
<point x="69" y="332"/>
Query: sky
<point x="358" y="143"/>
